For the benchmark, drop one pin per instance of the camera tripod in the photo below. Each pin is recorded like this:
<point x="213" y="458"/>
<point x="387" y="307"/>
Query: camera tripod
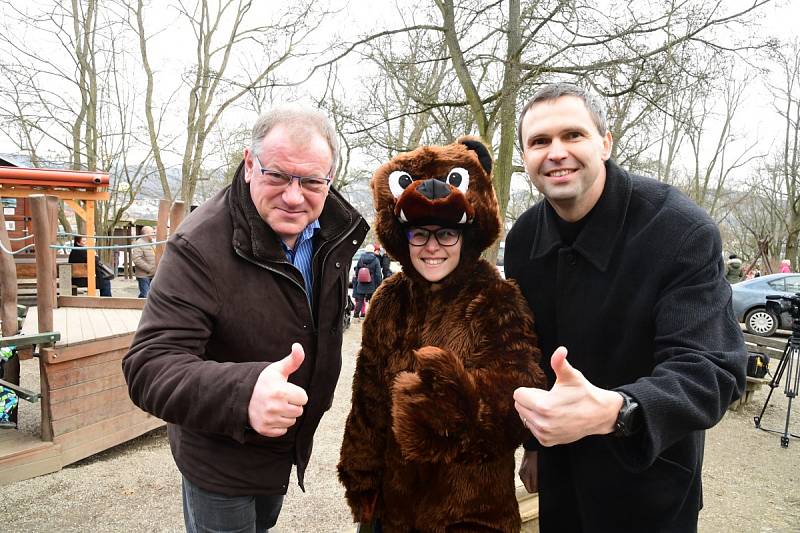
<point x="789" y="365"/>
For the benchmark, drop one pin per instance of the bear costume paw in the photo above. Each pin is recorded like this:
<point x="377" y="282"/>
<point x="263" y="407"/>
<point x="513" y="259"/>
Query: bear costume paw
<point x="431" y="406"/>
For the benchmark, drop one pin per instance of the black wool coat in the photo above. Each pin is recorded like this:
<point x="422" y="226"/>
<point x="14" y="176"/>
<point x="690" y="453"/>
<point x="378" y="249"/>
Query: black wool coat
<point x="641" y="303"/>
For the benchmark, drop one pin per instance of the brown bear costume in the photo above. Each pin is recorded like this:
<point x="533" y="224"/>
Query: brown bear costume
<point x="430" y="439"/>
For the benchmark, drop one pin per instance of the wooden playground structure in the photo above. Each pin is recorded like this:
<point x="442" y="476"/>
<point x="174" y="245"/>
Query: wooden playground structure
<point x="79" y="342"/>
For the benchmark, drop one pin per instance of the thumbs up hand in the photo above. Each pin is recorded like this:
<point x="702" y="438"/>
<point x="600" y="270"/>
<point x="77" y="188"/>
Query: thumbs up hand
<point x="276" y="404"/>
<point x="566" y="374"/>
<point x="571" y="410"/>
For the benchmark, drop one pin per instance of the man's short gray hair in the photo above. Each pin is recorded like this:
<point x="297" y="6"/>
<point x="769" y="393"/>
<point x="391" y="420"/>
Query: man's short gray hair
<point x="298" y="122"/>
<point x="553" y="91"/>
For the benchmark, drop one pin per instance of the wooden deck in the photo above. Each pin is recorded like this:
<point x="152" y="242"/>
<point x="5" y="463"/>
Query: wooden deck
<point x="85" y="324"/>
<point x="85" y="407"/>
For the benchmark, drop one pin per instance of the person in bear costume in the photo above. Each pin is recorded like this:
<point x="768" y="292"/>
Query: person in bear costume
<point x="429" y="442"/>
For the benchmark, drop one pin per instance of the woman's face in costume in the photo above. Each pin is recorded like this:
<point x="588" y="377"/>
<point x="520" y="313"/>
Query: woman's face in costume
<point x="436" y="257"/>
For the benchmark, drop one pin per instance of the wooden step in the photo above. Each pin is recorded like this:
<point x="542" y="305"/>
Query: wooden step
<point x="23" y="456"/>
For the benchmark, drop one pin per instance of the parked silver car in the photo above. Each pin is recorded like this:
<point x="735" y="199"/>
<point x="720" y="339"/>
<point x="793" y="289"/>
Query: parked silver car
<point x="750" y="300"/>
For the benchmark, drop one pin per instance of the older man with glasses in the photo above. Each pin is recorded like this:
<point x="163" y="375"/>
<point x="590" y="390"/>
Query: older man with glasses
<point x="239" y="346"/>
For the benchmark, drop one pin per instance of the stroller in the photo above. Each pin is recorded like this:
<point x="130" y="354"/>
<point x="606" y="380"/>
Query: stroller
<point x="348" y="312"/>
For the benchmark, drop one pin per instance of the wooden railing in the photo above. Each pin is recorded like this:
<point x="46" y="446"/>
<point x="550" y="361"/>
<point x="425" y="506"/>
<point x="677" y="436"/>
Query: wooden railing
<point x="771" y="346"/>
<point x="28" y="270"/>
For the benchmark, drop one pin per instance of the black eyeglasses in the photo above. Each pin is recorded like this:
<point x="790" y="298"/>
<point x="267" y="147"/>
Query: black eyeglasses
<point x="276" y="178"/>
<point x="444" y="236"/>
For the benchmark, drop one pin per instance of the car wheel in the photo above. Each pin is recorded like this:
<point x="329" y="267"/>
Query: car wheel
<point x="759" y="321"/>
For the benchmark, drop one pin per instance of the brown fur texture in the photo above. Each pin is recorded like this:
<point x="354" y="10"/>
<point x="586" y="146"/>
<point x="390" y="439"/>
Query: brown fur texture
<point x="430" y="439"/>
<point x="437" y="162"/>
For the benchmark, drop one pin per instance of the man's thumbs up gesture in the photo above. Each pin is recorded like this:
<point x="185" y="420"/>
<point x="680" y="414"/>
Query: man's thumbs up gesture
<point x="571" y="410"/>
<point x="275" y="403"/>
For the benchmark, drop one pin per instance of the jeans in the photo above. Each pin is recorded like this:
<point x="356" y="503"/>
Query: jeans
<point x="209" y="512"/>
<point x="144" y="286"/>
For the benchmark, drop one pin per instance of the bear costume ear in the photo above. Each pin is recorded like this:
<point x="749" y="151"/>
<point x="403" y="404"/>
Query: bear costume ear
<point x="482" y="152"/>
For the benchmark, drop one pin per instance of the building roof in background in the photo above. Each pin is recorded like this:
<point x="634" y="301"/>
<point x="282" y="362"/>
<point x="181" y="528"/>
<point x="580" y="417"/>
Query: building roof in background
<point x="145" y="206"/>
<point x="10" y="160"/>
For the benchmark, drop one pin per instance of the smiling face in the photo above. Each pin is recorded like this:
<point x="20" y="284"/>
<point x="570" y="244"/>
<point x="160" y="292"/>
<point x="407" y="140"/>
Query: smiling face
<point x="447" y="185"/>
<point x="564" y="155"/>
<point x="433" y="261"/>
<point x="288" y="209"/>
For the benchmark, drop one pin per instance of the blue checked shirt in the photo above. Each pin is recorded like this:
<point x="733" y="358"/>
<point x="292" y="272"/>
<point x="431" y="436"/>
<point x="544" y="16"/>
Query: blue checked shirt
<point x="300" y="257"/>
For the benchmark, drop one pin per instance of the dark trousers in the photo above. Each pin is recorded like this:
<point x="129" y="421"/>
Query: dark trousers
<point x="361" y="304"/>
<point x="105" y="287"/>
<point x="209" y="512"/>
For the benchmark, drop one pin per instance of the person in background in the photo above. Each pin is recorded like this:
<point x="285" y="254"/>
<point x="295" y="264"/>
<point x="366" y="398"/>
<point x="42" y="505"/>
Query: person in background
<point x="733" y="269"/>
<point x="624" y="275"/>
<point x="78" y="255"/>
<point x="385" y="260"/>
<point x="239" y="347"/>
<point x="786" y="266"/>
<point x="364" y="285"/>
<point x="144" y="259"/>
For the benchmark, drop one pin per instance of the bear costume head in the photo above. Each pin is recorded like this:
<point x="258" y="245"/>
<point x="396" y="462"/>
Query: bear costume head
<point x="449" y="186"/>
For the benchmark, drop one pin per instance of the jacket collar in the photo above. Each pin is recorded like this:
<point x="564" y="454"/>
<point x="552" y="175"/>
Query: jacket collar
<point x="602" y="230"/>
<point x="252" y="236"/>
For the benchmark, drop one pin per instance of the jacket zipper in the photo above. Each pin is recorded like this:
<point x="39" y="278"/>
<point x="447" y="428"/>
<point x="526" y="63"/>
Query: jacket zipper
<point x="353" y="228"/>
<point x="302" y="288"/>
<point x="333" y="247"/>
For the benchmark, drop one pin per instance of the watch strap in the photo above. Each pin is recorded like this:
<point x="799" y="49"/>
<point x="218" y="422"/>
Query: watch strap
<point x="627" y="417"/>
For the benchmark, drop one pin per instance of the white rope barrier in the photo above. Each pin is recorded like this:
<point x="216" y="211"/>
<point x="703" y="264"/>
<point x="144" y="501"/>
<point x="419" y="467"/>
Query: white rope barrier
<point x="116" y="247"/>
<point x="72" y="247"/>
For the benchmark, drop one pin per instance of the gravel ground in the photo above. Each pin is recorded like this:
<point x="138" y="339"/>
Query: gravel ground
<point x="751" y="483"/>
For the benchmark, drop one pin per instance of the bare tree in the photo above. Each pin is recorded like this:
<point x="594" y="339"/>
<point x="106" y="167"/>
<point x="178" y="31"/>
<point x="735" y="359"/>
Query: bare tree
<point x="393" y="116"/>
<point x="787" y="105"/>
<point x="72" y="94"/>
<point x="710" y="184"/>
<point x="759" y="217"/>
<point x="769" y="211"/>
<point x="498" y="52"/>
<point x="222" y="73"/>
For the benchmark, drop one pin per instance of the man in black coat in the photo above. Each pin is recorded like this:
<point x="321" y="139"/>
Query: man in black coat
<point x="625" y="275"/>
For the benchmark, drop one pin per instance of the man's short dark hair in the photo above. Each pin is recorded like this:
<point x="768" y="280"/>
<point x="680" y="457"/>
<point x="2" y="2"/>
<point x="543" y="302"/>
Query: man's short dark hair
<point x="553" y="91"/>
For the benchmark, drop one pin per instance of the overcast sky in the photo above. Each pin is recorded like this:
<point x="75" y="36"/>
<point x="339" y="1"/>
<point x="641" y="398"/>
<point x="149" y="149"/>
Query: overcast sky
<point x="170" y="54"/>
